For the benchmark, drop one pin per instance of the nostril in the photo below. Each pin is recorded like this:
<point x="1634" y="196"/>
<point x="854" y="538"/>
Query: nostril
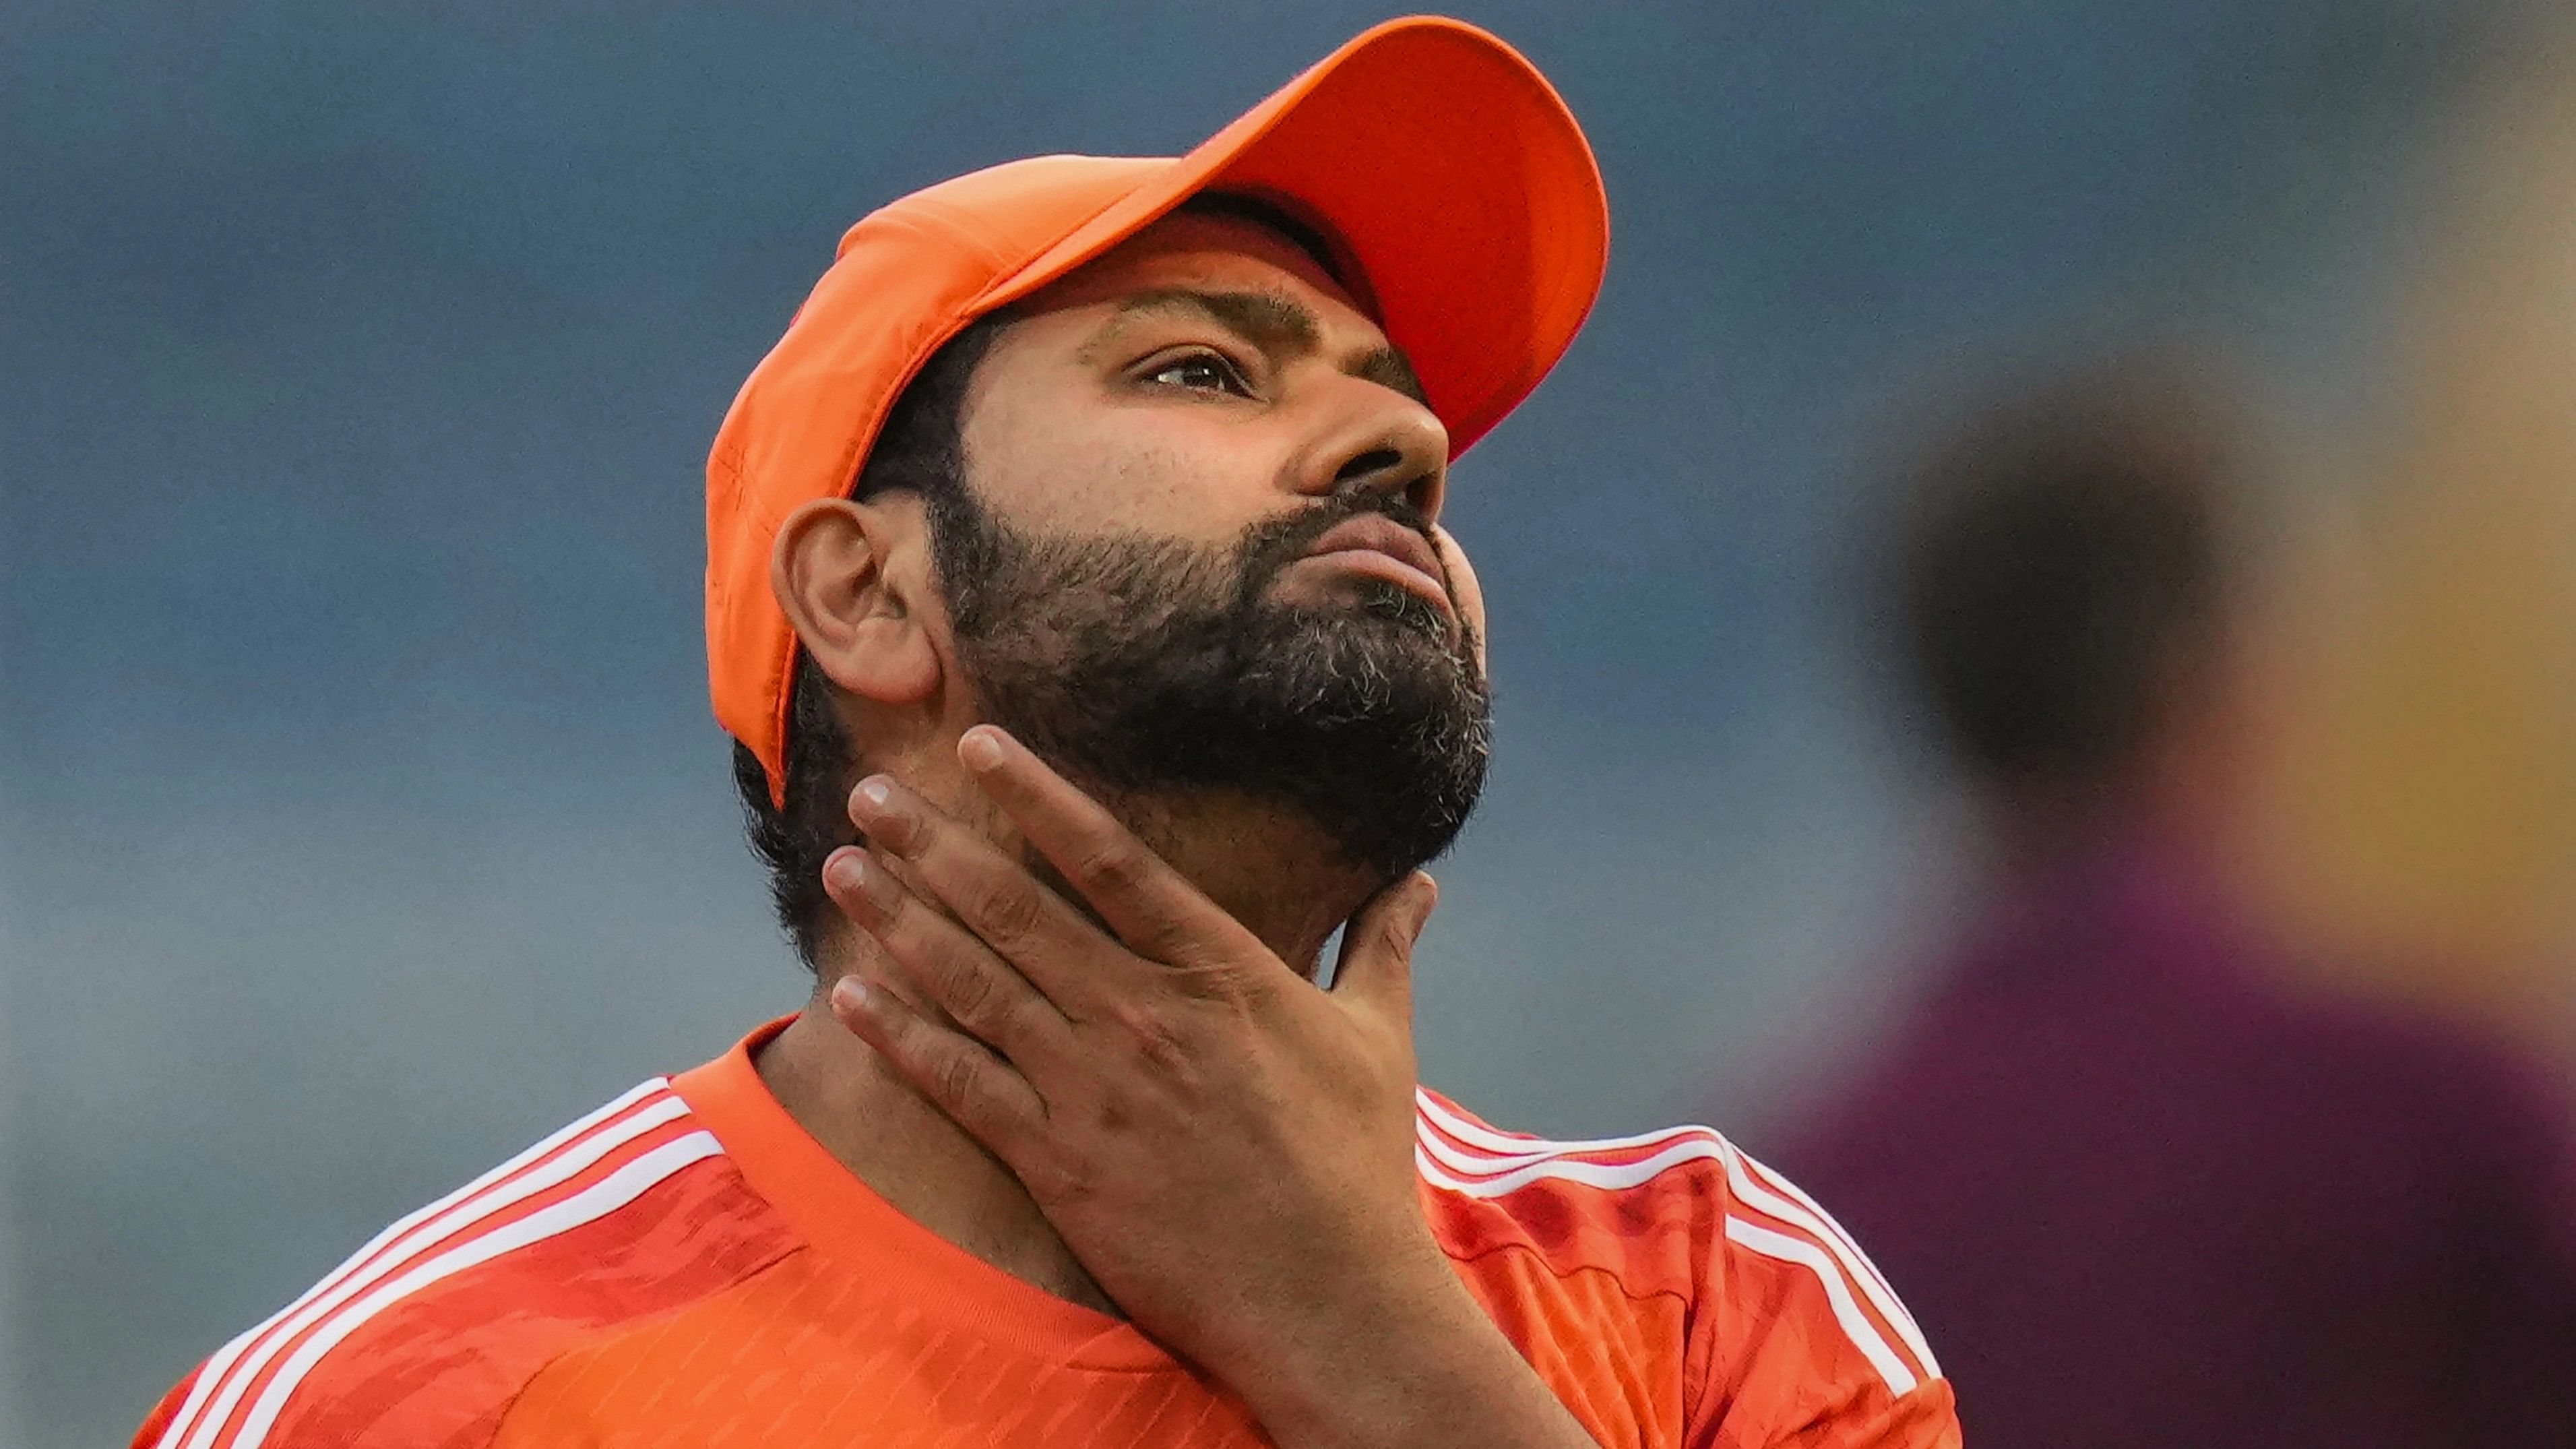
<point x="1373" y="464"/>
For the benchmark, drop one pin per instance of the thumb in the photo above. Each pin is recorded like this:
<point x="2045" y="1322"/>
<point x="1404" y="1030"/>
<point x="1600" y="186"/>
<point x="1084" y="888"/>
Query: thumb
<point x="1376" y="965"/>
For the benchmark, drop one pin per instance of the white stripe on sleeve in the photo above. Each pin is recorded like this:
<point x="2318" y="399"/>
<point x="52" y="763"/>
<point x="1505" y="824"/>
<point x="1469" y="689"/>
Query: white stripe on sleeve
<point x="1856" y="1325"/>
<point x="590" y="1204"/>
<point x="229" y="1373"/>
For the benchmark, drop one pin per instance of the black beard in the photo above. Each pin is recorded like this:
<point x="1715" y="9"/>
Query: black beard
<point x="1147" y="666"/>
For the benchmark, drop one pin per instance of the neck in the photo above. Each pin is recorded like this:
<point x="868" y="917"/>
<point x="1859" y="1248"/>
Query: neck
<point x="913" y="1156"/>
<point x="2174" y="798"/>
<point x="1270" y="869"/>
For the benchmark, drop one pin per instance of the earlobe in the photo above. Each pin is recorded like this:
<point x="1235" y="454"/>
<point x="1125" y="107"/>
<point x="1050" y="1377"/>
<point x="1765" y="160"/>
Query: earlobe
<point x="832" y="570"/>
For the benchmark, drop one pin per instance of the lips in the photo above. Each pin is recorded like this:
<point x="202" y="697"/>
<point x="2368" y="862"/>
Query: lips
<point x="1378" y="545"/>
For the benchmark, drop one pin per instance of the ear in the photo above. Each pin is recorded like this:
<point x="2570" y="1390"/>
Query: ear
<point x="838" y="570"/>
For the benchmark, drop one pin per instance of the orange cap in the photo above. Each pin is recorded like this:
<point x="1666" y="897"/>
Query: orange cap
<point x="1437" y="156"/>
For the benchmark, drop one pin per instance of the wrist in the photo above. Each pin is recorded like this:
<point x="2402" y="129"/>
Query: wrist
<point x="1416" y="1363"/>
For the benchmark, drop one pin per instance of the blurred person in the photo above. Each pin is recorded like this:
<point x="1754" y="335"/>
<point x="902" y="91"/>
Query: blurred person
<point x="2143" y="1185"/>
<point x="1078" y="606"/>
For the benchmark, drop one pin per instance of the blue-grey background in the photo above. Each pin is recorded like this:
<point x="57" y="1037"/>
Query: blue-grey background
<point x="360" y="814"/>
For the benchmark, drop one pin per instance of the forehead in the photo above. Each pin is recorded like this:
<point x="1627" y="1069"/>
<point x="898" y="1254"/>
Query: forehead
<point x="1217" y="253"/>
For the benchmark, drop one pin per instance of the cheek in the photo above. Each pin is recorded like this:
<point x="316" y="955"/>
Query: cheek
<point x="1101" y="469"/>
<point x="1463" y="586"/>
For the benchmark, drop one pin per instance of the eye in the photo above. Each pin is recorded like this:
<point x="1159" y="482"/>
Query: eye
<point x="1200" y="372"/>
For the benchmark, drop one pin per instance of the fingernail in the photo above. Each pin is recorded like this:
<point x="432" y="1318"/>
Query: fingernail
<point x="851" y="992"/>
<point x="980" y="750"/>
<point x="871" y="880"/>
<point x="848" y="871"/>
<point x="876" y="790"/>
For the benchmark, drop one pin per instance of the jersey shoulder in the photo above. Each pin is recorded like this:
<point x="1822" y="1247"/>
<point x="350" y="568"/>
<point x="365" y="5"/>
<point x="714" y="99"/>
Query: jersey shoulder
<point x="425" y="1334"/>
<point x="1783" y="1313"/>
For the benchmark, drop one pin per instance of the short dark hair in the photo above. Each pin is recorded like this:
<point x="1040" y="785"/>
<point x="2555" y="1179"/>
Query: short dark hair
<point x="919" y="450"/>
<point x="2059" y="568"/>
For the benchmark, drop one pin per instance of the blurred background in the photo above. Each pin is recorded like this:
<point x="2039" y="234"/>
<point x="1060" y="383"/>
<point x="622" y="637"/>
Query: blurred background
<point x="361" y="817"/>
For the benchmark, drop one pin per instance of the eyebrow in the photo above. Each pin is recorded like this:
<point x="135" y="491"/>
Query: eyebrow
<point x="1277" y="324"/>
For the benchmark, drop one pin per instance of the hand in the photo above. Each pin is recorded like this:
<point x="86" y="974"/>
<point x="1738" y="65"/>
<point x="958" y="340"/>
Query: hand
<point x="1205" y="1128"/>
<point x="1226" y="1148"/>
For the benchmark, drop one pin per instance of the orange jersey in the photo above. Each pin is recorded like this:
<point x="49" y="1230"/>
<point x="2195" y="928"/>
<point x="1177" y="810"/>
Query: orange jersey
<point x="686" y="1267"/>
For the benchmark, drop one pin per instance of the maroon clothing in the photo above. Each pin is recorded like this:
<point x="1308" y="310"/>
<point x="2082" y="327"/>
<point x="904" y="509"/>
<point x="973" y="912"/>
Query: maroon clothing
<point x="2140" y="1190"/>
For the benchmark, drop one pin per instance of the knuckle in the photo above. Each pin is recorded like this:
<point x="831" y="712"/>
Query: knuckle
<point x="959" y="1081"/>
<point x="1115" y="1113"/>
<point x="1114" y="865"/>
<point x="1154" y="1036"/>
<point x="1223" y="984"/>
<point x="970" y="994"/>
<point x="1007" y="908"/>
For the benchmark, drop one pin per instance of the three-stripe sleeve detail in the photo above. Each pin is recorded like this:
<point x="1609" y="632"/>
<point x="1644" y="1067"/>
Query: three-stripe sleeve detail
<point x="582" y="1173"/>
<point x="1766" y="1215"/>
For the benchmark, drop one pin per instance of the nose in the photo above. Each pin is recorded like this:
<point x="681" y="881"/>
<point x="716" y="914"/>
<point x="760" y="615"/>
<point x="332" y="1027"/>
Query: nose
<point x="1379" y="441"/>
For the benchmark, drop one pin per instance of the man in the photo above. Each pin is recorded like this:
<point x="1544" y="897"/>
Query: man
<point x="2146" y="1189"/>
<point x="1077" y="603"/>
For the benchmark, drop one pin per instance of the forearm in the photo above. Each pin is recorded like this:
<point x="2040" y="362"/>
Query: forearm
<point x="1428" y="1374"/>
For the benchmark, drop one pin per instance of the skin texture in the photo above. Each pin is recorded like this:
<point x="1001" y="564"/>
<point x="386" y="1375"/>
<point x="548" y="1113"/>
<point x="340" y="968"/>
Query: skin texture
<point x="1150" y="1108"/>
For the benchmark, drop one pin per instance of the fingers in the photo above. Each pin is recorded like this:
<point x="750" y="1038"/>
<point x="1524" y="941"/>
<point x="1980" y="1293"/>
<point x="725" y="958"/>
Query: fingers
<point x="978" y="1090"/>
<point x="994" y="897"/>
<point x="1150" y="905"/>
<point x="1376" y="966"/>
<point x="977" y="989"/>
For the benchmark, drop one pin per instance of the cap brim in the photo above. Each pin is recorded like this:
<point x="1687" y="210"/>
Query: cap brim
<point x="1456" y="177"/>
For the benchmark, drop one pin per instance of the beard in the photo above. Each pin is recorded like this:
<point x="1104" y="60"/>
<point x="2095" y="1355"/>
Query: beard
<point x="1144" y="666"/>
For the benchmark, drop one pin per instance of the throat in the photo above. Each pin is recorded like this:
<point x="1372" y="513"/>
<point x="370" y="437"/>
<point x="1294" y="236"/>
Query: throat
<point x="1266" y="864"/>
<point x="909" y="1153"/>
